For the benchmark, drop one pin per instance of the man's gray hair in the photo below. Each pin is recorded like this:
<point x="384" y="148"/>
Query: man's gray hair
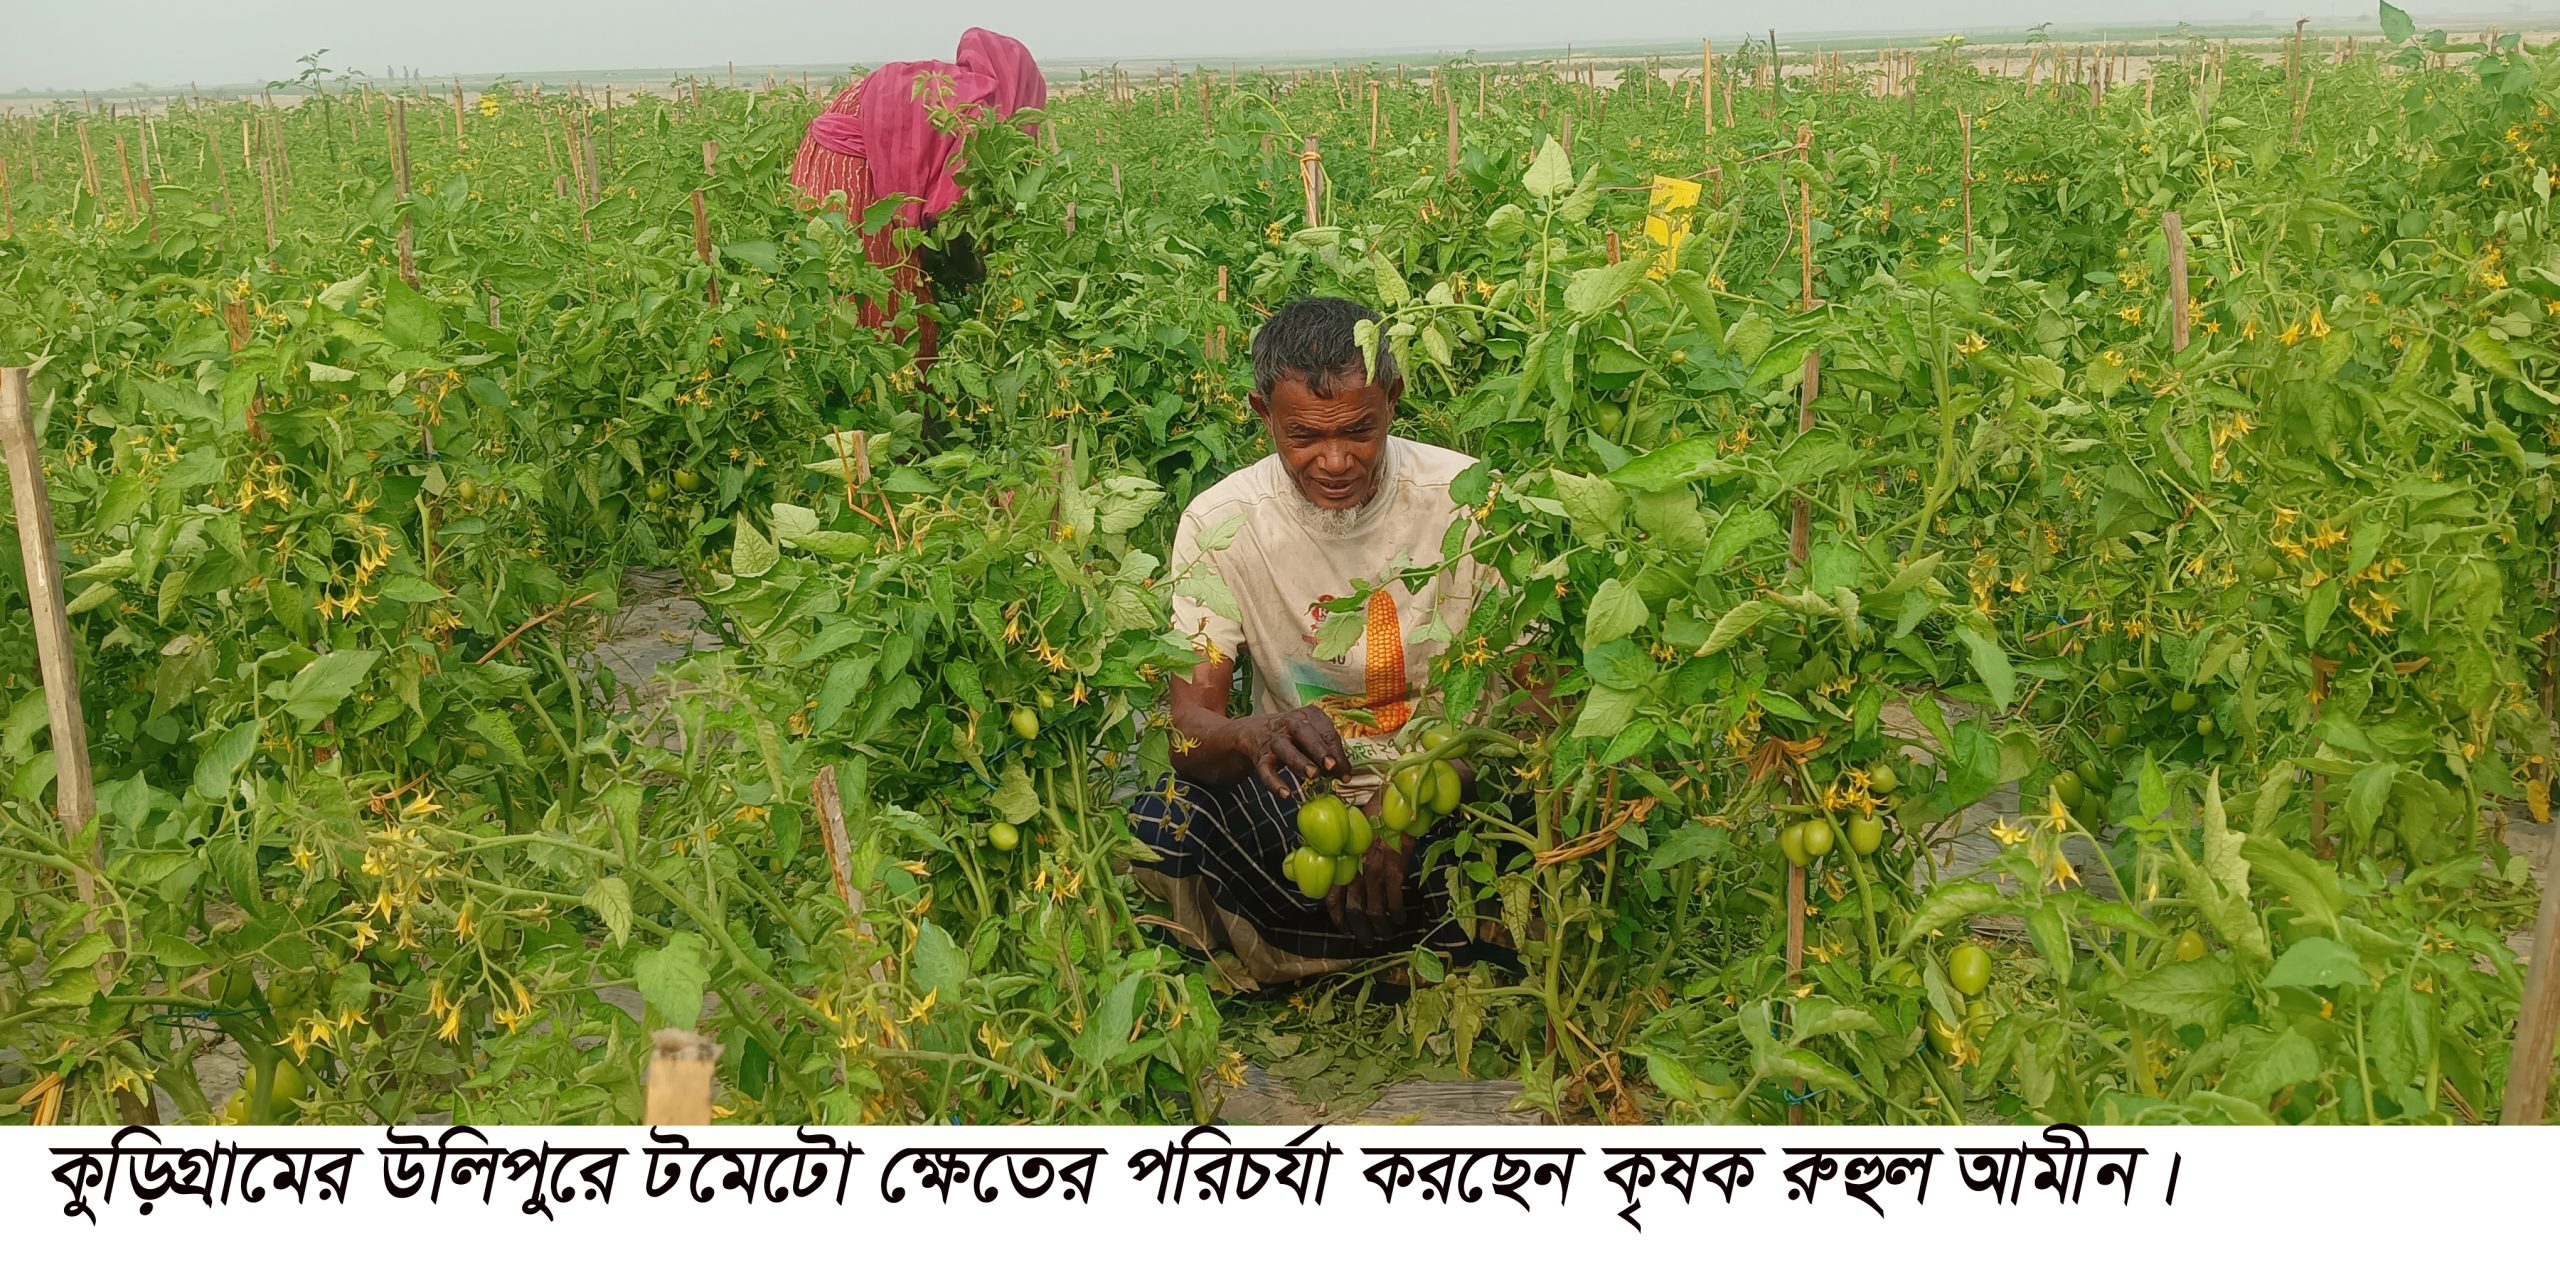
<point x="1311" y="340"/>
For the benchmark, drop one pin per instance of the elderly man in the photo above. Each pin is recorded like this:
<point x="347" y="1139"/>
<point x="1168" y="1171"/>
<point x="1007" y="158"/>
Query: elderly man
<point x="1340" y="499"/>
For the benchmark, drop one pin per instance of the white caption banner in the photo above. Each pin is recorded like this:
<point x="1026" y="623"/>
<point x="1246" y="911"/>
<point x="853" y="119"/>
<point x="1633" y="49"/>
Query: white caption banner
<point x="1270" y="1201"/>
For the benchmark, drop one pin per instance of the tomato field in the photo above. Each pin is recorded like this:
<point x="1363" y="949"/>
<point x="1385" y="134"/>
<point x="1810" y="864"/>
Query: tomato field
<point x="2018" y="663"/>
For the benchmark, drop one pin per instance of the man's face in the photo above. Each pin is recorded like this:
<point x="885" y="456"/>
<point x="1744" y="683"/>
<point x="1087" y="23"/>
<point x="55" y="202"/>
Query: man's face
<point x="1331" y="445"/>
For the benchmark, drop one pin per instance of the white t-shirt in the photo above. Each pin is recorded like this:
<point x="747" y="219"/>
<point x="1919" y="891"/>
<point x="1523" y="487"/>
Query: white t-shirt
<point x="1282" y="558"/>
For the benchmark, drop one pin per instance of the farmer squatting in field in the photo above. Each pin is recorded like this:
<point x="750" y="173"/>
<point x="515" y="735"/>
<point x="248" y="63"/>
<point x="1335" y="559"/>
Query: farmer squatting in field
<point x="1341" y="499"/>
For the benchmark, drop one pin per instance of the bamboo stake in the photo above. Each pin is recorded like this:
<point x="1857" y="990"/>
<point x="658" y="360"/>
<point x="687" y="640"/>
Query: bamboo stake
<point x="1218" y="336"/>
<point x="702" y="247"/>
<point x="56" y="662"/>
<point x="458" y="142"/>
<point x="267" y="195"/>
<point x="124" y="165"/>
<point x="680" y="1083"/>
<point x="829" y="802"/>
<point x="1373" y="119"/>
<point x="1311" y="179"/>
<point x="8" y="217"/>
<point x="400" y="176"/>
<point x="1452" y="101"/>
<point x="1964" y="127"/>
<point x="89" y="164"/>
<point x="1707" y="83"/>
<point x="2174" y="231"/>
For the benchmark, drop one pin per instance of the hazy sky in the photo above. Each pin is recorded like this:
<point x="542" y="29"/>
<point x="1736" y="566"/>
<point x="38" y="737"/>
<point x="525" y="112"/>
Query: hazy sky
<point x="75" y="44"/>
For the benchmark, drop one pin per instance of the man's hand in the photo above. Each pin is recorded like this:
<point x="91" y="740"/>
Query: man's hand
<point x="1371" y="907"/>
<point x="1301" y="742"/>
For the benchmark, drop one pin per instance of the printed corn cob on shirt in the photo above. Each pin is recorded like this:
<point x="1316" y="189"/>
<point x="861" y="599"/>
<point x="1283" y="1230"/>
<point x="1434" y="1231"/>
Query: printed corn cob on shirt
<point x="1279" y="559"/>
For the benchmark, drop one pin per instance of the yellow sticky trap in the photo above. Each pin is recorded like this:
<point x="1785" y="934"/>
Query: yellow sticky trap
<point x="1666" y="223"/>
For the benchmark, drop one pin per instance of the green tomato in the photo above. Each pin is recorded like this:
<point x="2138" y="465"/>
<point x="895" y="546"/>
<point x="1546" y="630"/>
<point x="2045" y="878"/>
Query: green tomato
<point x="1312" y="871"/>
<point x="1046" y="699"/>
<point x="1882" y="780"/>
<point x="1969" y="969"/>
<point x="2066" y="787"/>
<point x="1866" y="834"/>
<point x="1979" y="1017"/>
<point x="2091" y="776"/>
<point x="1346" y="868"/>
<point x="1357" y="835"/>
<point x="1397" y="808"/>
<point x="1435" y="738"/>
<point x="1946" y="1036"/>
<point x="22" y="951"/>
<point x="2266" y="568"/>
<point x="688" y="480"/>
<point x="2108" y="681"/>
<point x="2190" y="946"/>
<point x="657" y="489"/>
<point x="1005" y="836"/>
<point x="2113" y="735"/>
<point x="2204" y="725"/>
<point x="1323" y="823"/>
<point x="1026" y="723"/>
<point x="1791" y="844"/>
<point x="2183" y="701"/>
<point x="1444" y="787"/>
<point x="1817" y="838"/>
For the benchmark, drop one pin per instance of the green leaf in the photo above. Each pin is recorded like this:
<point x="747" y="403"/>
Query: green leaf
<point x="1605" y="711"/>
<point x="1810" y="1067"/>
<point x="2052" y="938"/>
<point x="1676" y="463"/>
<point x="610" y="899"/>
<point x="938" y="965"/>
<point x="2396" y="26"/>
<point x="671" y="978"/>
<point x="1341" y="631"/>
<point x="2308" y="883"/>
<point x="1595" y="506"/>
<point x="1106" y="1038"/>
<point x="1950" y="902"/>
<point x="325" y="682"/>
<point x="1593" y="290"/>
<point x="221" y="761"/>
<point x="408" y="589"/>
<point x="1736" y="533"/>
<point x="1014" y="797"/>
<point x="409" y="320"/>
<point x="1550" y="174"/>
<point x="69" y="991"/>
<point x="1990" y="664"/>
<point x="751" y="555"/>
<point x="491" y="726"/>
<point x="2189" y="993"/>
<point x="1736" y="623"/>
<point x="1821" y="1016"/>
<point x="1616" y="611"/>
<point x="1393" y="292"/>
<point x="2219" y="884"/>
<point x="1619" y="664"/>
<point x="2367" y="793"/>
<point x="2316" y="962"/>
<point x="170" y="949"/>
<point x="2275" y="1063"/>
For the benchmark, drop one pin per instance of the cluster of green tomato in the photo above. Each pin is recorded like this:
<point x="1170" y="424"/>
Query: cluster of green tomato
<point x="1808" y="840"/>
<point x="2083" y="790"/>
<point x="1335" y="835"/>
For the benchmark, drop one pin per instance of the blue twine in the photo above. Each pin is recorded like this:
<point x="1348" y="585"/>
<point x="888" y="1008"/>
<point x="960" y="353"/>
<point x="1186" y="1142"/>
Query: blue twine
<point x="1794" y="1098"/>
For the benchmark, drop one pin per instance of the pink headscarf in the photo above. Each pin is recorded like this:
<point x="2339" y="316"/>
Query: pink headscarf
<point x="891" y="125"/>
